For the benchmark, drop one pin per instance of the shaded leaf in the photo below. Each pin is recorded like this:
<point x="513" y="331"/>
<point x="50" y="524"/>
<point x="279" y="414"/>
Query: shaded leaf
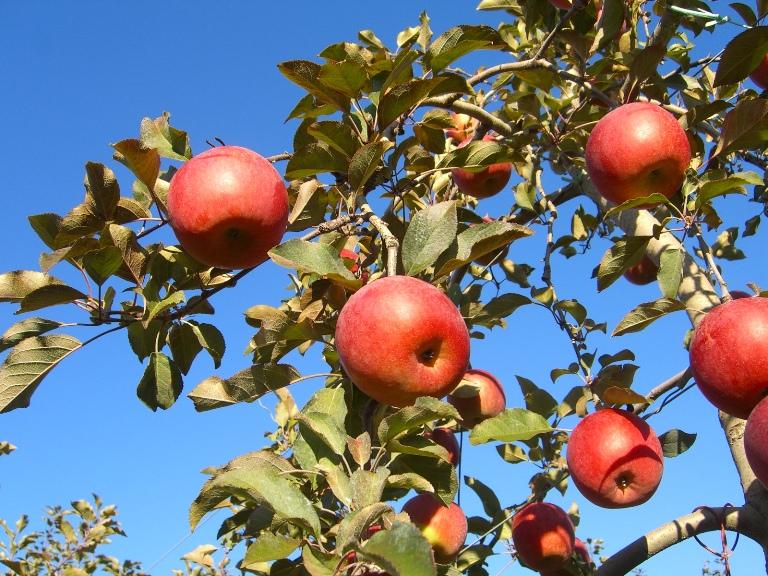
<point x="618" y="395"/>
<point x="308" y="75"/>
<point x="102" y="263"/>
<point x="161" y="383"/>
<point x="337" y="135"/>
<point x="143" y="162"/>
<point x="365" y="162"/>
<point x="25" y="329"/>
<point x="346" y="77"/>
<point x="458" y="41"/>
<point x="402" y="98"/>
<point x="741" y="56"/>
<point x="426" y="409"/>
<point x="27" y="364"/>
<point x="50" y="295"/>
<point x="315" y="158"/>
<point x="268" y="546"/>
<point x="626" y="252"/>
<point x="245" y="386"/>
<point x="641" y="202"/>
<point x="744" y="127"/>
<point x="102" y="191"/>
<point x="14" y="286"/>
<point x="674" y="442"/>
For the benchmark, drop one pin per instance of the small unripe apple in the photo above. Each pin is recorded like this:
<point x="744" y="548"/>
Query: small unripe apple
<point x="446" y="438"/>
<point x="478" y="397"/>
<point x="644" y="272"/>
<point x="399" y="338"/>
<point x="581" y="554"/>
<point x="543" y="536"/>
<point x="615" y="458"/>
<point x="228" y="207"/>
<point x="487" y="182"/>
<point x="444" y="527"/>
<point x="756" y="441"/>
<point x="729" y="355"/>
<point x="760" y="75"/>
<point x="636" y="150"/>
<point x="463" y="127"/>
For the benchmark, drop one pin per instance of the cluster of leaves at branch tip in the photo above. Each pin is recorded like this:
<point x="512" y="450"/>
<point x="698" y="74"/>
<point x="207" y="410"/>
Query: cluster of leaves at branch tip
<point x="335" y="467"/>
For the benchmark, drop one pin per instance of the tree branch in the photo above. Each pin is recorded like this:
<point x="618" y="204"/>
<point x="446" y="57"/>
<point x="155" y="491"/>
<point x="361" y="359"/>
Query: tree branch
<point x="745" y="519"/>
<point x="390" y="240"/>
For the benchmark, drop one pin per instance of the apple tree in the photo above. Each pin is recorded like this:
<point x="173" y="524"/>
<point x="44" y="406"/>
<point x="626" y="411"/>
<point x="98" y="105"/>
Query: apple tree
<point x="395" y="150"/>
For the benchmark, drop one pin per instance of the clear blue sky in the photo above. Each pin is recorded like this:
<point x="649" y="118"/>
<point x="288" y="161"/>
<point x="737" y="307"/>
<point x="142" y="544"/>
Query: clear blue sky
<point x="77" y="76"/>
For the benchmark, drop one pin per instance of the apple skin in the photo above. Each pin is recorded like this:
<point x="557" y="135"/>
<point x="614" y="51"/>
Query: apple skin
<point x="228" y="207"/>
<point x="444" y="527"/>
<point x="479" y="396"/>
<point x="487" y="182"/>
<point x="729" y="355"/>
<point x="615" y="458"/>
<point x="447" y="439"/>
<point x="760" y="74"/>
<point x="756" y="441"/>
<point x="735" y="294"/>
<point x="463" y="127"/>
<point x="399" y="338"/>
<point x="635" y="150"/>
<point x="543" y="536"/>
<point x="582" y="555"/>
<point x="644" y="272"/>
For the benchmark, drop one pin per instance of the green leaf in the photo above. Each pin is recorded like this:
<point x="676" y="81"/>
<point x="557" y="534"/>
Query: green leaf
<point x="337" y="479"/>
<point x="212" y="340"/>
<point x="27" y="364"/>
<point x="47" y="227"/>
<point x="475" y="156"/>
<point x="456" y="42"/>
<point x="315" y="158"/>
<point x="618" y="396"/>
<point x="268" y="546"/>
<point x="487" y="497"/>
<point x="741" y="56"/>
<point x="101" y="264"/>
<point x="161" y="383"/>
<point x="498" y="5"/>
<point x="184" y="345"/>
<point x="536" y="399"/>
<point x="401" y="551"/>
<point x="308" y="75"/>
<point x="337" y="135"/>
<point x="102" y="191"/>
<point x="316" y="258"/>
<point x="367" y="486"/>
<point x="641" y="202"/>
<point x="365" y="162"/>
<point x="402" y="98"/>
<point x="318" y="563"/>
<point x="746" y="13"/>
<point x="245" y="386"/>
<point x="26" y="328"/>
<point x="134" y="255"/>
<point x="430" y="232"/>
<point x="744" y="127"/>
<point x="674" y="442"/>
<point x="477" y="241"/>
<point x="326" y="428"/>
<point x="511" y="453"/>
<point x="645" y="314"/>
<point x="511" y="425"/>
<point x="354" y="524"/>
<point x="439" y="475"/>
<point x="50" y="295"/>
<point x="14" y="286"/>
<point x="156" y="307"/>
<point x="626" y="252"/>
<point x="143" y="162"/>
<point x="167" y="140"/>
<point x="346" y="77"/>
<point x="671" y="271"/>
<point x="263" y="483"/>
<point x="733" y="184"/>
<point x="426" y="409"/>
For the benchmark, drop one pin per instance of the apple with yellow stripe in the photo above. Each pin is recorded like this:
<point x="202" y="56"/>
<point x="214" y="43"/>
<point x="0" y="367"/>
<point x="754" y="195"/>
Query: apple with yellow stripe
<point x="444" y="527"/>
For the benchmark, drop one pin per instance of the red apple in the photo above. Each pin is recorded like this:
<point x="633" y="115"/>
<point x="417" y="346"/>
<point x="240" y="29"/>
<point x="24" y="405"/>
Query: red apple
<point x="367" y="569"/>
<point x="399" y="338"/>
<point x="487" y="182"/>
<point x="447" y="439"/>
<point x="543" y="536"/>
<point x="729" y="355"/>
<point x="352" y="261"/>
<point x="644" y="272"/>
<point x="615" y="458"/>
<point x="478" y="397"/>
<point x="444" y="527"/>
<point x="760" y="74"/>
<point x="463" y="127"/>
<point x="228" y="207"/>
<point x="562" y="4"/>
<point x="635" y="150"/>
<point x="580" y="555"/>
<point x="756" y="441"/>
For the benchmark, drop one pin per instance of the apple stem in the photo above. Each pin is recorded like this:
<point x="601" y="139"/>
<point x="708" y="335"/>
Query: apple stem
<point x="390" y="240"/>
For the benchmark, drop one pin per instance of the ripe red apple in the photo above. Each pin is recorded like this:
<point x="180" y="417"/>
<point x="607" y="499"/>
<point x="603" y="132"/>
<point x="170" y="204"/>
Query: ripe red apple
<point x="463" y="127"/>
<point x="447" y="439"/>
<point x="399" y="338"/>
<point x="487" y="182"/>
<point x="580" y="554"/>
<point x="543" y="536"/>
<point x="228" y="207"/>
<point x="644" y="272"/>
<point x="444" y="527"/>
<point x="756" y="441"/>
<point x="729" y="355"/>
<point x="615" y="458"/>
<point x="635" y="150"/>
<point x="760" y="74"/>
<point x="478" y="397"/>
